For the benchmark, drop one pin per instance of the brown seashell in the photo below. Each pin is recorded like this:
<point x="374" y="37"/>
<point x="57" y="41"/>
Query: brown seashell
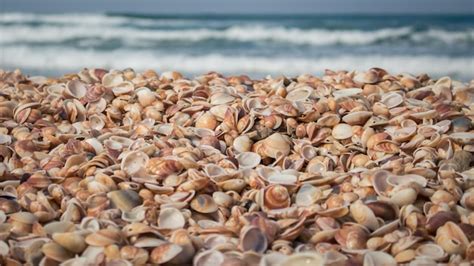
<point x="164" y="253"/>
<point x="125" y="200"/>
<point x="451" y="238"/>
<point x="137" y="256"/>
<point x="72" y="241"/>
<point x="206" y="120"/>
<point x="440" y="218"/>
<point x="275" y="197"/>
<point x="162" y="167"/>
<point x="56" y="252"/>
<point x="363" y="215"/>
<point x="274" y="146"/>
<point x="104" y="237"/>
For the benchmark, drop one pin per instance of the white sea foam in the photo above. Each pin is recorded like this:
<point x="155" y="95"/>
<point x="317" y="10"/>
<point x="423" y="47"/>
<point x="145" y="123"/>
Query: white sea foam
<point x="256" y="33"/>
<point x="60" y="60"/>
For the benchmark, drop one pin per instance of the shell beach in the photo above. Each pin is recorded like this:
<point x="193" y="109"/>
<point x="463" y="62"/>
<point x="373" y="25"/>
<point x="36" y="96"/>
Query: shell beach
<point x="116" y="167"/>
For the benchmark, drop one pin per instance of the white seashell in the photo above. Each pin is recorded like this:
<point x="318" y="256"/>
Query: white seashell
<point x="248" y="160"/>
<point x="342" y="131"/>
<point x="171" y="218"/>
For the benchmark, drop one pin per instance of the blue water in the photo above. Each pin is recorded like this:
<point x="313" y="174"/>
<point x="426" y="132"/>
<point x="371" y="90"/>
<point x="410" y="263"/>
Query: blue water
<point x="257" y="45"/>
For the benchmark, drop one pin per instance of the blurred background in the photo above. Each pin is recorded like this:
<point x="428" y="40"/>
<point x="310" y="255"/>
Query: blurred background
<point x="54" y="37"/>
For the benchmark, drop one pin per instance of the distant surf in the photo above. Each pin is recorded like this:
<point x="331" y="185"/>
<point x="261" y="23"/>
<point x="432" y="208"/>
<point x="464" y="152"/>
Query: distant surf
<point x="437" y="45"/>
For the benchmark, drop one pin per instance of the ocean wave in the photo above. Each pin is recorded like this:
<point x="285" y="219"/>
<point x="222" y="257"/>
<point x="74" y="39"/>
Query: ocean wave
<point x="61" y="60"/>
<point x="257" y="33"/>
<point x="78" y="19"/>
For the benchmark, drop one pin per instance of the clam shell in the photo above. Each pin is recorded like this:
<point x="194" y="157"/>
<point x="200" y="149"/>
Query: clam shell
<point x="307" y="195"/>
<point x="72" y="241"/>
<point x="392" y="99"/>
<point x="248" y="160"/>
<point x="357" y="118"/>
<point x="134" y="163"/>
<point x="342" y="131"/>
<point x="204" y="204"/>
<point x="373" y="258"/>
<point x="242" y="143"/>
<point x="451" y="238"/>
<point x="164" y="253"/>
<point x="299" y="94"/>
<point x="209" y="258"/>
<point x="56" y="252"/>
<point x="363" y="215"/>
<point x="252" y="239"/>
<point x="304" y="258"/>
<point x="125" y="200"/>
<point x="171" y="218"/>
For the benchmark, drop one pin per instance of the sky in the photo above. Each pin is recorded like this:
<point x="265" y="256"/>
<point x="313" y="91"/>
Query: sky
<point x="241" y="6"/>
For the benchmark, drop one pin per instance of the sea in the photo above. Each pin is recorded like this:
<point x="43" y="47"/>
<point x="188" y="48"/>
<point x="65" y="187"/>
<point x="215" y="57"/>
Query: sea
<point x="255" y="45"/>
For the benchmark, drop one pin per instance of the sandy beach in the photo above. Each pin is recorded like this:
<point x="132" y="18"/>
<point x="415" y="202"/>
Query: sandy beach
<point x="118" y="167"/>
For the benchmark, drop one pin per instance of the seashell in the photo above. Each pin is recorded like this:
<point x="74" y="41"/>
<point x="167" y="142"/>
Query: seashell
<point x="328" y="120"/>
<point x="248" y="160"/>
<point x="137" y="256"/>
<point x="145" y="96"/>
<point x="461" y="124"/>
<point x="432" y="251"/>
<point x="307" y="195"/>
<point x="221" y="98"/>
<point x="104" y="237"/>
<point x="162" y="167"/>
<point x="134" y="163"/>
<point x="72" y="241"/>
<point x="164" y="253"/>
<point x="304" y="258"/>
<point x="439" y="219"/>
<point x="4" y="248"/>
<point x="274" y="146"/>
<point x="125" y="87"/>
<point x="204" y="204"/>
<point x="171" y="218"/>
<point x="242" y="143"/>
<point x="357" y="117"/>
<point x="222" y="199"/>
<point x="274" y="197"/>
<point x="451" y="238"/>
<point x="252" y="239"/>
<point x="372" y="258"/>
<point x="363" y="215"/>
<point x="347" y="92"/>
<point x="75" y="89"/>
<point x="22" y="222"/>
<point x="299" y="94"/>
<point x="404" y="196"/>
<point x="392" y="99"/>
<point x="125" y="200"/>
<point x="342" y="131"/>
<point x="110" y="80"/>
<point x="206" y="120"/>
<point x="463" y="137"/>
<point x="208" y="258"/>
<point x="467" y="199"/>
<point x="56" y="252"/>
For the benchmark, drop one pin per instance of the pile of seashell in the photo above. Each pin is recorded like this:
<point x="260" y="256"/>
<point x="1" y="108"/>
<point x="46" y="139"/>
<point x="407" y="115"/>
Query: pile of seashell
<point x="124" y="168"/>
